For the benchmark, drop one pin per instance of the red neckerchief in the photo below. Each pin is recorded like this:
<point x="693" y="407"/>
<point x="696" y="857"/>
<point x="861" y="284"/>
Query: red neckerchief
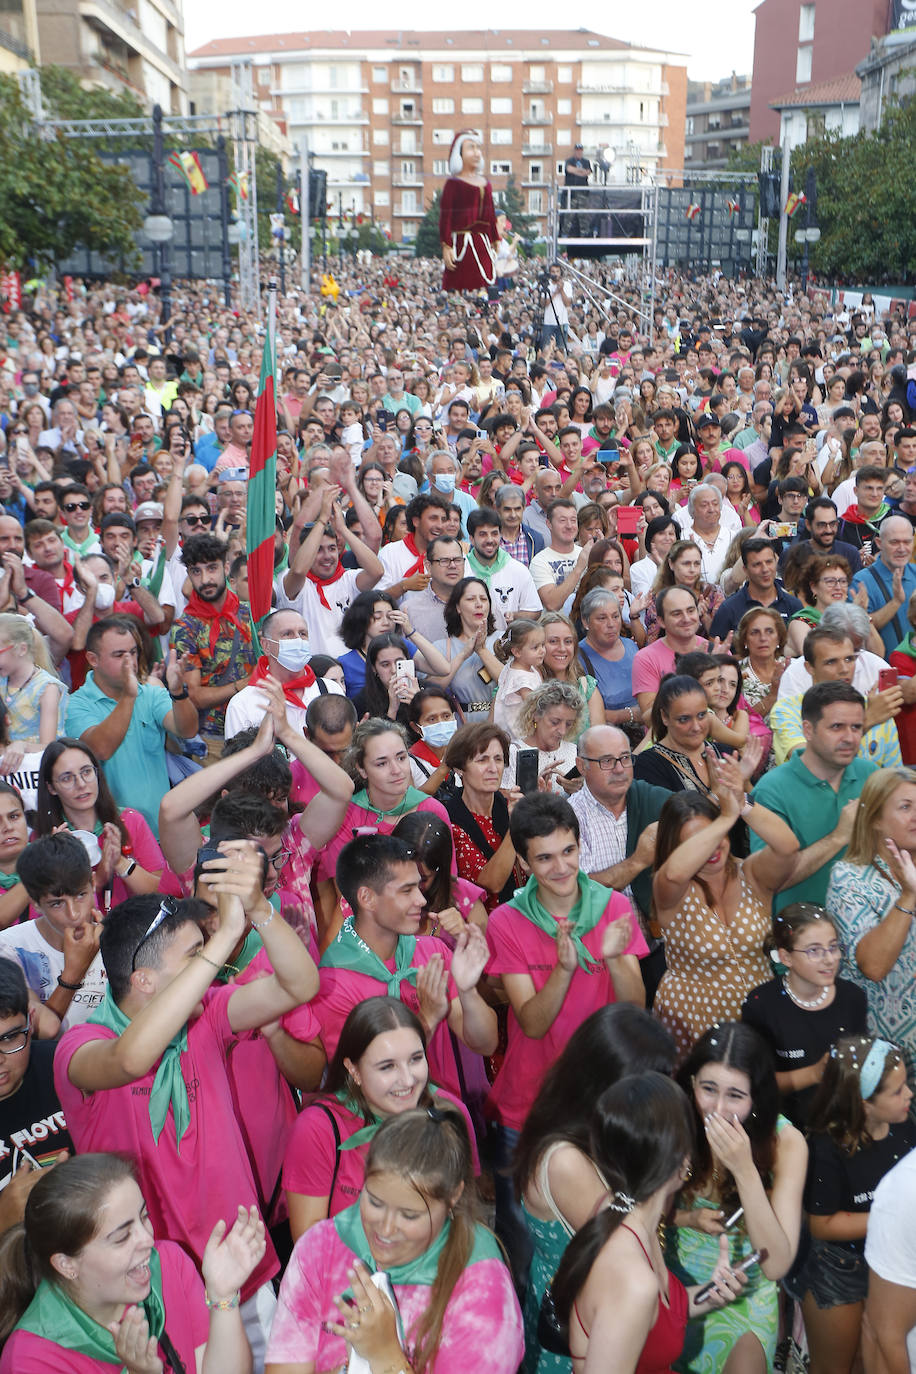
<point x="421" y="750"/>
<point x="291" y="689"/>
<point x="411" y="547"/>
<point x="322" y="582"/>
<point x="68" y="580"/>
<point x="206" y="610"/>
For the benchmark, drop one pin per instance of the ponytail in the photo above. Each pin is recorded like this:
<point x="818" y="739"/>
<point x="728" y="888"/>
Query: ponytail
<point x="515" y="635"/>
<point x="18" y="1279"/>
<point x="578" y="1258"/>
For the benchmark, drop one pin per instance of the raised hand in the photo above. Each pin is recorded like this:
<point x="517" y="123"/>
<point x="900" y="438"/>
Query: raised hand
<point x="729" y="1142"/>
<point x="470" y="958"/>
<point x="432" y="992"/>
<point x="230" y="1259"/>
<point x="136" y="1349"/>
<point x="567" y="957"/>
<point x="616" y="937"/>
<point x="900" y="863"/>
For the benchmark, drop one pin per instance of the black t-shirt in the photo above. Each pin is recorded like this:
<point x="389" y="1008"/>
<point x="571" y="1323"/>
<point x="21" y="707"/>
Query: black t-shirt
<point x="583" y="165"/>
<point x="799" y="1038"/>
<point x="32" y="1126"/>
<point x="840" y="1182"/>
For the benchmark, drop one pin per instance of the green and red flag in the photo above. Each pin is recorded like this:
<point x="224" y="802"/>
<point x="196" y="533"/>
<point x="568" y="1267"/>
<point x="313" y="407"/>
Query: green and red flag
<point x="796" y="200"/>
<point x="262" y="479"/>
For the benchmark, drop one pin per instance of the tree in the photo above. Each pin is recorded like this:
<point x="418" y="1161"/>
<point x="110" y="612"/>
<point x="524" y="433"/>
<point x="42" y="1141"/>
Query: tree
<point x="426" y="244"/>
<point x="511" y="205"/>
<point x="56" y="193"/>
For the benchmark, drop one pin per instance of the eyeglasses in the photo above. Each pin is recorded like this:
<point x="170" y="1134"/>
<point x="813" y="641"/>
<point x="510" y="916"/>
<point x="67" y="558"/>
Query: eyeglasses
<point x="607" y="762"/>
<point x="195" y="520"/>
<point x="834" y="581"/>
<point x="167" y="907"/>
<point x="452" y="562"/>
<point x="278" y="860"/>
<point x="69" y="779"/>
<point x="834" y="951"/>
<point x="78" y="505"/>
<point x="15" y="1041"/>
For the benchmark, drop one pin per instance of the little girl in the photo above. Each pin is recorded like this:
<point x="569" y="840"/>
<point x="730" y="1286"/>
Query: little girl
<point x="801" y="1013"/>
<point x="522" y="650"/>
<point x="859" y="1131"/>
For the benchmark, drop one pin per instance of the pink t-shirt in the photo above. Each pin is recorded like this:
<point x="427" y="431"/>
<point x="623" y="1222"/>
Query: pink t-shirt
<point x="519" y="946"/>
<point x="186" y="1321"/>
<point x="146" y="854"/>
<point x="652" y="663"/>
<point x="481" y="1331"/>
<point x="341" y="990"/>
<point x="188" y="1188"/>
<point x="311" y="1152"/>
<point x="360" y="816"/>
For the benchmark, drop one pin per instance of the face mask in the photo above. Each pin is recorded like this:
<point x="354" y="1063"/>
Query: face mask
<point x="104" y="596"/>
<point x="445" y="481"/>
<point x="439" y="734"/>
<point x="30" y="388"/>
<point x="293" y="654"/>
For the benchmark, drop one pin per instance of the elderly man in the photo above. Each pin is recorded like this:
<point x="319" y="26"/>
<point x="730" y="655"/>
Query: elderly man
<point x="618" y="821"/>
<point x="547" y="484"/>
<point x="443" y="472"/>
<point x="518" y="542"/>
<point x="708" y="530"/>
<point x="285" y="638"/>
<point x="890" y="580"/>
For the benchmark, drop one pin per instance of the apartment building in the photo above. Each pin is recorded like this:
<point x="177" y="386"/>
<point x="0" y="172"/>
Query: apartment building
<point x="380" y="109"/>
<point x="134" y="45"/>
<point x="18" y="36"/>
<point x="718" y="120"/>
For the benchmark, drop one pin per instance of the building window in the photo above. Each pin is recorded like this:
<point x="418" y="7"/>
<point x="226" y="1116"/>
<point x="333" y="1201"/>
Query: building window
<point x="381" y="169"/>
<point x="535" y="202"/>
<point x="379" y="73"/>
<point x="443" y="72"/>
<point x="380" y="136"/>
<point x="406" y="78"/>
<point x="471" y="104"/>
<point x="816" y="125"/>
<point x="806" y="24"/>
<point x="443" y="104"/>
<point x="561" y="169"/>
<point x="535" y="171"/>
<point x="472" y="71"/>
<point x="409" y="230"/>
<point x="501" y="105"/>
<point x="537" y="74"/>
<point x="688" y="126"/>
<point x="500" y="71"/>
<point x="803" y="64"/>
<point x="564" y="137"/>
<point x="381" y="198"/>
<point x="501" y="136"/>
<point x="443" y="135"/>
<point x="500" y="169"/>
<point x="332" y="76"/>
<point x="564" y="75"/>
<point x="564" y="107"/>
<point x="379" y="105"/>
<point x="409" y="201"/>
<point x="440" y="167"/>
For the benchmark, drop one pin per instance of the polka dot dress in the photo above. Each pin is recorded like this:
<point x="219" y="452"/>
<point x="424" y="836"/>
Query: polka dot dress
<point x="711" y="966"/>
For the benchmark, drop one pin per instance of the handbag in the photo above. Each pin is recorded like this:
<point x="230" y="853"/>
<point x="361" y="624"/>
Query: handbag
<point x="552" y="1331"/>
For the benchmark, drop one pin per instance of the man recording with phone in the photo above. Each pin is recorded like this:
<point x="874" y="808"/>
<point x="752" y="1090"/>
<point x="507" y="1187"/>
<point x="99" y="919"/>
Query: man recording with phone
<point x="556" y="312"/>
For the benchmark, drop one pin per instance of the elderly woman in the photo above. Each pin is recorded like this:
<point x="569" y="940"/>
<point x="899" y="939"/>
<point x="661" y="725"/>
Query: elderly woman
<point x="707" y="530"/>
<point x="550" y="721"/>
<point x="608" y="657"/>
<point x="872" y="900"/>
<point x="758" y="644"/>
<point x="824" y="581"/>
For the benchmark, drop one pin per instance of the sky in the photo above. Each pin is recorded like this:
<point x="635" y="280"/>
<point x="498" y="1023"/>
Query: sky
<point x="716" y="40"/>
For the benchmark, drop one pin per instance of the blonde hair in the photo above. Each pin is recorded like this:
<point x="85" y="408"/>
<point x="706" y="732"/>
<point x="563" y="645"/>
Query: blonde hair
<point x="18" y="630"/>
<point x="554" y="693"/>
<point x="877" y="792"/>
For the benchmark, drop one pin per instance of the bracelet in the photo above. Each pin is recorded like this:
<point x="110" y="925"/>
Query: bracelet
<point x="208" y="960"/>
<point x="630" y="716"/>
<point x="259" y="925"/>
<point x="20" y="600"/>
<point x="409" y="634"/>
<point x="70" y="987"/>
<point x="223" y="1304"/>
<point x="907" y="911"/>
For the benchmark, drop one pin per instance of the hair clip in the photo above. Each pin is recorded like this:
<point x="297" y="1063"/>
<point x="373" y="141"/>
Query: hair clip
<point x="622" y="1203"/>
<point x="435" y="1114"/>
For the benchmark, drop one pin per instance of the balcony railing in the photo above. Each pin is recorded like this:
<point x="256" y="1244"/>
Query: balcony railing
<point x="400" y="88"/>
<point x="537" y="87"/>
<point x="537" y="149"/>
<point x="400" y="119"/>
<point x="541" y="119"/>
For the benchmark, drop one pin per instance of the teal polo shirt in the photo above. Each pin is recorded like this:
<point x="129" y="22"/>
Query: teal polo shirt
<point x="136" y="772"/>
<point x="811" y="808"/>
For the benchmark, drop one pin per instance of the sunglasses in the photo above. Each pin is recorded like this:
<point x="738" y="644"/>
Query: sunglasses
<point x="78" y="505"/>
<point x="195" y="520"/>
<point x="167" y="907"/>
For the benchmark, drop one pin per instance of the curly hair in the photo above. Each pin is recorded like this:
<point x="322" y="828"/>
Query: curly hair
<point x="554" y="693"/>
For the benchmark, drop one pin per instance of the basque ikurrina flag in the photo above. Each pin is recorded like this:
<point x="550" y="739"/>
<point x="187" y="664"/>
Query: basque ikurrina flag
<point x="262" y="480"/>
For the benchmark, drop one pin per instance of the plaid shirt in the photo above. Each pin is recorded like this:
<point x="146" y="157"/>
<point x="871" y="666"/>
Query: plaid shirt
<point x="517" y="548"/>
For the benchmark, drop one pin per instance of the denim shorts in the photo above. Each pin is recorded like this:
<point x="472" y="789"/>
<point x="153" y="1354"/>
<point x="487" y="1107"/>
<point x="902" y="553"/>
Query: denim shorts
<point x="834" y="1274"/>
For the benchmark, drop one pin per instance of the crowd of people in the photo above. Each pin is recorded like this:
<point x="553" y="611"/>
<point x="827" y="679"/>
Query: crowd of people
<point x="545" y="857"/>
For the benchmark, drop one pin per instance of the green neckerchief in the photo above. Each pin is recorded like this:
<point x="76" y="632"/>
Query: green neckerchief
<point x="8" y="881"/>
<point x="906" y="646"/>
<point x="54" y="1316"/>
<point x="168" y="1085"/>
<point x="282" y="566"/>
<point x="423" y="1269"/>
<point x="96" y="829"/>
<point x="154" y="580"/>
<point x="367" y="1132"/>
<point x="82" y="549"/>
<point x="412" y="798"/>
<point x="487" y="570"/>
<point x="809" y="614"/>
<point x="250" y="949"/>
<point x="351" y="952"/>
<point x="585" y="915"/>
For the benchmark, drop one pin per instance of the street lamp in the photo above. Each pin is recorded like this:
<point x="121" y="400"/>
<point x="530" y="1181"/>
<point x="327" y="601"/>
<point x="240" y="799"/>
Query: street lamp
<point x="157" y="226"/>
<point x="811" y="234"/>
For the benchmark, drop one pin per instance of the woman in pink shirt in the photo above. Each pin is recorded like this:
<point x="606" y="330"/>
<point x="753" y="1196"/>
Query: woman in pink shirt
<point x="107" y="1297"/>
<point x="428" y="1287"/>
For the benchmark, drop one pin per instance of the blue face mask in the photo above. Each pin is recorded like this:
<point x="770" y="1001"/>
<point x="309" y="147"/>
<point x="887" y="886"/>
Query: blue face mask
<point x="439" y="734"/>
<point x="445" y="481"/>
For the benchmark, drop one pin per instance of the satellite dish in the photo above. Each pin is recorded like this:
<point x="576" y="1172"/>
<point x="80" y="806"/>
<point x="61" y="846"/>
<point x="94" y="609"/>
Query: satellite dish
<point x="609" y="155"/>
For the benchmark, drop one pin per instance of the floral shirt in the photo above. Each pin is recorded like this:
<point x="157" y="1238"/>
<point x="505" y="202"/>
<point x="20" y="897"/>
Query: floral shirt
<point x="231" y="659"/>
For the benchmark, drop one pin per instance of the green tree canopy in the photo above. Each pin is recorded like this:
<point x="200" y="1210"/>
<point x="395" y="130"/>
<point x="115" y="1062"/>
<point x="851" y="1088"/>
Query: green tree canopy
<point x="426" y="244"/>
<point x="510" y="203"/>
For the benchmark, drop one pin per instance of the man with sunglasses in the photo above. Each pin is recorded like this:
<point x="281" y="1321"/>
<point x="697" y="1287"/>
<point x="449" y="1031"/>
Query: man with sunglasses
<point x="33" y="1132"/>
<point x="75" y="511"/>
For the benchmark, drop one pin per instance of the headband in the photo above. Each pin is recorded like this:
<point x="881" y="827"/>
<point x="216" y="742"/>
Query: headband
<point x="454" y="156"/>
<point x="871" y="1071"/>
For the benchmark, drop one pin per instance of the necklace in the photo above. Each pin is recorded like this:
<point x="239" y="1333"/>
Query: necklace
<point x="800" y="1001"/>
<point x="16" y="690"/>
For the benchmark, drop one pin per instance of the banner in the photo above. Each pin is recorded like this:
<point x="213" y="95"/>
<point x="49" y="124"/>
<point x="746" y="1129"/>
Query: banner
<point x="903" y="14"/>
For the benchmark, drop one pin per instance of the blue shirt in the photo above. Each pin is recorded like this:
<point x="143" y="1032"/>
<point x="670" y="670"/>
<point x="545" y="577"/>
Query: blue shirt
<point x="207" y="451"/>
<point x="615" y="680"/>
<point x="897" y="628"/>
<point x="136" y="772"/>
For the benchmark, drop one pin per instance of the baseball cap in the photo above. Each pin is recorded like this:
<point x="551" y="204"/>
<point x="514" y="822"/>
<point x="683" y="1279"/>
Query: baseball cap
<point x="707" y="420"/>
<point x="148" y="510"/>
<point x="117" y="519"/>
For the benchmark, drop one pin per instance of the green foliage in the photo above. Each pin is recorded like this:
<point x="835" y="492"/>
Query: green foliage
<point x="426" y="244"/>
<point x="57" y="194"/>
<point x="511" y="204"/>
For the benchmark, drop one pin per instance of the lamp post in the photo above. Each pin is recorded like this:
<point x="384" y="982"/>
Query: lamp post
<point x="805" y="236"/>
<point x="157" y="226"/>
<point x="224" y="217"/>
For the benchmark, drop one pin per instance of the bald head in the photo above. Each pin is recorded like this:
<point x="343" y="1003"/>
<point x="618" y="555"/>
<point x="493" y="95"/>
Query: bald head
<point x="12" y="539"/>
<point x="599" y="740"/>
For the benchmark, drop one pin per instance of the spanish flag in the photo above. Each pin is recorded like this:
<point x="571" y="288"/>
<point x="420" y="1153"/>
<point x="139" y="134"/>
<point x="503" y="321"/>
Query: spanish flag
<point x="692" y="211"/>
<point x="238" y="182"/>
<point x="733" y="206"/>
<point x="188" y="164"/>
<point x="796" y="200"/>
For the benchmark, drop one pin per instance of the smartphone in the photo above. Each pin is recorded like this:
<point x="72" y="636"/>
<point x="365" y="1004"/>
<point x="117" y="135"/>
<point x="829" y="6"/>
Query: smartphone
<point x="526" y="771"/>
<point x="381" y="419"/>
<point x="204" y="854"/>
<point x="887" y="677"/>
<point x="628" y="519"/>
<point x="784" y="529"/>
<point x="610" y="455"/>
<point x="482" y="434"/>
<point x="758" y="1257"/>
<point x="405" y="667"/>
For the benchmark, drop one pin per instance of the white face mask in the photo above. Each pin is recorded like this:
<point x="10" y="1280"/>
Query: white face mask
<point x="293" y="654"/>
<point x="104" y="596"/>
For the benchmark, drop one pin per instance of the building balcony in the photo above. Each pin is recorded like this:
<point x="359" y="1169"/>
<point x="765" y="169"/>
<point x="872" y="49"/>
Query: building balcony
<point x="406" y="150"/>
<point x="309" y="88"/>
<point x="408" y="211"/>
<point x="322" y="153"/>
<point x="407" y="181"/>
<point x="537" y="87"/>
<point x="537" y="149"/>
<point x="631" y="88"/>
<point x="413" y="88"/>
<point x="399" y="120"/>
<point x="596" y="121"/>
<point x="541" y="182"/>
<point x="544" y="120"/>
<point x="336" y="120"/>
<point x="111" y="20"/>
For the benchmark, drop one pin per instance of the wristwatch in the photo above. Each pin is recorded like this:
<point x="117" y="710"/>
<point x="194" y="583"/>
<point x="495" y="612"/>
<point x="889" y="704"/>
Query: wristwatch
<point x="131" y="865"/>
<point x="180" y="696"/>
<point x="21" y="600"/>
<point x="134" y="582"/>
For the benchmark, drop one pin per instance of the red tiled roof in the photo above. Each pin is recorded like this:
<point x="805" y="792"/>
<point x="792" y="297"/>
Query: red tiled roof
<point x="839" y="90"/>
<point x="401" y="41"/>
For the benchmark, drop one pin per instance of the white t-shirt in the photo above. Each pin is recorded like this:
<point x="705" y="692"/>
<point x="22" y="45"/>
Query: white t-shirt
<point x="42" y="965"/>
<point x="642" y="575"/>
<point x="890" y="1243"/>
<point x="25" y="779"/>
<point x="844" y="495"/>
<point x="323" y="621"/>
<point x="550" y="568"/>
<point x="512" y="590"/>
<point x="395" y="559"/>
<point x="247" y="707"/>
<point x="681" y="516"/>
<point x="797" y="678"/>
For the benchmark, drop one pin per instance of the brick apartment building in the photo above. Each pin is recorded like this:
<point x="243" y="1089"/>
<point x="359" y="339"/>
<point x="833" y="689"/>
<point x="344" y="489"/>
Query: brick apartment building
<point x="380" y="109"/>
